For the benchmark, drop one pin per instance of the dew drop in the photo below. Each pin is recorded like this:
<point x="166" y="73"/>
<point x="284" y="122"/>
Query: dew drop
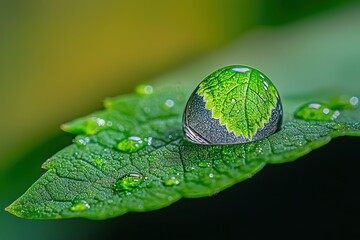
<point x="172" y="181"/>
<point x="79" y="206"/>
<point x="354" y="101"/>
<point x="169" y="103"/>
<point x="317" y="111"/>
<point x="151" y="159"/>
<point x="91" y="125"/>
<point x="133" y="144"/>
<point x="81" y="141"/>
<point x="336" y="126"/>
<point x="100" y="161"/>
<point x="144" y="89"/>
<point x="128" y="182"/>
<point x="204" y="164"/>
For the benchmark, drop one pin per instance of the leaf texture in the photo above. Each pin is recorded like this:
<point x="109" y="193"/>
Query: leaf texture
<point x="97" y="178"/>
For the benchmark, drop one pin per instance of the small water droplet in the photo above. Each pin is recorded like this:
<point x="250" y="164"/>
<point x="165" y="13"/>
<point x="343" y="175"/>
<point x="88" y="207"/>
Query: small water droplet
<point x="151" y="159"/>
<point x="169" y="103"/>
<point x="79" y="206"/>
<point x="336" y="126"/>
<point x="317" y="111"/>
<point x="128" y="182"/>
<point x="172" y="181"/>
<point x="93" y="125"/>
<point x="226" y="151"/>
<point x="354" y="101"/>
<point x="147" y="109"/>
<point x="133" y="144"/>
<point x="100" y="161"/>
<point x="211" y="175"/>
<point x="204" y="164"/>
<point x="81" y="141"/>
<point x="144" y="89"/>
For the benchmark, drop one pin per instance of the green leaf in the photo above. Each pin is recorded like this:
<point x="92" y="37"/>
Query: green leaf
<point x="240" y="97"/>
<point x="95" y="178"/>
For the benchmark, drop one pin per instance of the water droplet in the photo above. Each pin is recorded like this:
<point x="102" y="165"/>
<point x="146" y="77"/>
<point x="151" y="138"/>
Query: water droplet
<point x="354" y="101"/>
<point x="81" y="141"/>
<point x="169" y="103"/>
<point x="79" y="206"/>
<point x="226" y="151"/>
<point x="100" y="161"/>
<point x="128" y="182"/>
<point x="235" y="104"/>
<point x="172" y="181"/>
<point x="317" y="111"/>
<point x="151" y="159"/>
<point x="211" y="175"/>
<point x="92" y="125"/>
<point x="336" y="126"/>
<point x="144" y="89"/>
<point x="133" y="144"/>
<point x="204" y="164"/>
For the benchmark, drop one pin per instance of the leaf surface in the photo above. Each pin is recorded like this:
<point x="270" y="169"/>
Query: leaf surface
<point x="100" y="176"/>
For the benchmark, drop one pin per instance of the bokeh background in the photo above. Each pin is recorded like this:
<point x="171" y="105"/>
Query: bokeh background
<point x="59" y="59"/>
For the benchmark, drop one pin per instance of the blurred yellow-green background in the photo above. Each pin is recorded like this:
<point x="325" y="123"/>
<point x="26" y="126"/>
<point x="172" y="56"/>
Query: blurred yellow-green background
<point x="60" y="59"/>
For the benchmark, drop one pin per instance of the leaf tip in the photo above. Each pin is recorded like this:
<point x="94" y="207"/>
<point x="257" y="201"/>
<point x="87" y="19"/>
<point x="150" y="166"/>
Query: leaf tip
<point x="12" y="210"/>
<point x="65" y="127"/>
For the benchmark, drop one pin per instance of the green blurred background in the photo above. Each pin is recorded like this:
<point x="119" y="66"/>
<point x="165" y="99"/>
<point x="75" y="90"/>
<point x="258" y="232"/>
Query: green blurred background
<point x="60" y="59"/>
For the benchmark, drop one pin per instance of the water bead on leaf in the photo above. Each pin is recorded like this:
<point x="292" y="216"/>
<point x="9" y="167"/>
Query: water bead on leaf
<point x="235" y="104"/>
<point x="317" y="111"/>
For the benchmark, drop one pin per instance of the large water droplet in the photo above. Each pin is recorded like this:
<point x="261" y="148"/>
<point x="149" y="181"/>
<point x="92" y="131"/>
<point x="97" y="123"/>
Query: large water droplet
<point x="317" y="111"/>
<point x="144" y="89"/>
<point x="133" y="144"/>
<point x="128" y="182"/>
<point x="79" y="205"/>
<point x="235" y="104"/>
